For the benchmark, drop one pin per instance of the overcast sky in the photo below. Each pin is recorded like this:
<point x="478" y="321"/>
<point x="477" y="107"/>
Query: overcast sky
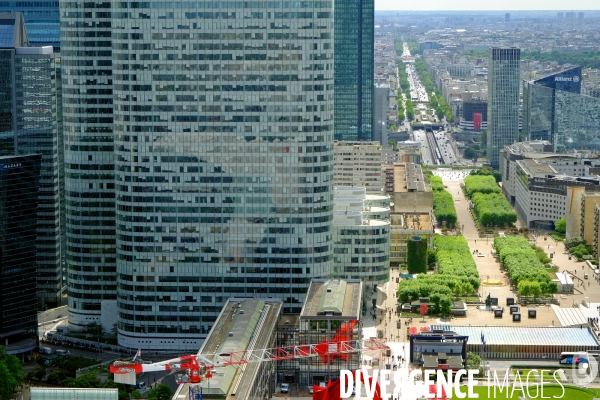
<point x="433" y="5"/>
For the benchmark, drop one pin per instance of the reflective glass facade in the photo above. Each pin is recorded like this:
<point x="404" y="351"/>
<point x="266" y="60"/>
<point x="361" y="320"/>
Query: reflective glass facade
<point x="503" y="100"/>
<point x="554" y="110"/>
<point x="19" y="184"/>
<point x="32" y="124"/>
<point x="223" y="149"/>
<point x="354" y="69"/>
<point x="86" y="64"/>
<point x="41" y="20"/>
<point x="39" y="131"/>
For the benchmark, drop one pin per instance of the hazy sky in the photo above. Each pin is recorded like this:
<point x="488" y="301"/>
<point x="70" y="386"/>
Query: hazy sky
<point x="433" y="5"/>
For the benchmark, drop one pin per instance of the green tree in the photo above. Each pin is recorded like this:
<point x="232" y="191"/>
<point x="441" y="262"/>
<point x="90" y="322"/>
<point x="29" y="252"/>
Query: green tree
<point x="561" y="225"/>
<point x="470" y="153"/>
<point x="474" y="362"/>
<point x="161" y="392"/>
<point x="416" y="256"/>
<point x="524" y="288"/>
<point x="483" y="138"/>
<point x="11" y="374"/>
<point x="431" y="258"/>
<point x="87" y="380"/>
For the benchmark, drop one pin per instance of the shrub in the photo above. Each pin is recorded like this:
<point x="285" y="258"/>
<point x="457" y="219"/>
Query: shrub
<point x="570" y="243"/>
<point x="493" y="209"/>
<point x="481" y="184"/>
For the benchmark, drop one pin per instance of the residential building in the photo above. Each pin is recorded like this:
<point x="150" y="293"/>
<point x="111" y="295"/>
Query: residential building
<point x="357" y="164"/>
<point x="223" y="178"/>
<point x="554" y="109"/>
<point x="89" y="161"/>
<point x="242" y="325"/>
<point x="19" y="188"/>
<point x="380" y="113"/>
<point x="361" y="235"/>
<point x="32" y="105"/>
<point x="42" y="20"/>
<point x="503" y="100"/>
<point x="388" y="155"/>
<point x="354" y="69"/>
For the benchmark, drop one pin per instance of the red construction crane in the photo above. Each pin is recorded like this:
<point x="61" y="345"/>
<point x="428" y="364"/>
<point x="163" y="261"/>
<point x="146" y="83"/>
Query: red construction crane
<point x="201" y="364"/>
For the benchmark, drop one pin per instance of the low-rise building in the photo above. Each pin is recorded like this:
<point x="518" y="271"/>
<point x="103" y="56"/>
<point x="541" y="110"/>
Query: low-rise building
<point x="405" y="227"/>
<point x="580" y="213"/>
<point x="331" y="313"/>
<point x="243" y="324"/>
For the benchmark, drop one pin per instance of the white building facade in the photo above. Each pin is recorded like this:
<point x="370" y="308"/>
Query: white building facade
<point x="361" y="243"/>
<point x="358" y="164"/>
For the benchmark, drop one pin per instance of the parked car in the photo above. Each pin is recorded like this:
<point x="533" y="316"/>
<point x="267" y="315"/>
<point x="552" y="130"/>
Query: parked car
<point x="45" y="350"/>
<point x="285" y="388"/>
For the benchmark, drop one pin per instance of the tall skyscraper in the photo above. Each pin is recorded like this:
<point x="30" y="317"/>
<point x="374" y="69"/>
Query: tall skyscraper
<point x="19" y="187"/>
<point x="354" y="68"/>
<point x="223" y="157"/>
<point x="86" y="56"/>
<point x="32" y="124"/>
<point x="503" y="100"/>
<point x="42" y="20"/>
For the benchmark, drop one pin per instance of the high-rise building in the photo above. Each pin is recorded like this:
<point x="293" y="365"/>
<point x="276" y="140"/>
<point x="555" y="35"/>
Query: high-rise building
<point x="223" y="160"/>
<point x="503" y="100"/>
<point x="381" y="105"/>
<point x="19" y="186"/>
<point x="555" y="110"/>
<point x="354" y="69"/>
<point x="89" y="157"/>
<point x="506" y="17"/>
<point x="42" y="20"/>
<point x="31" y="102"/>
<point x="357" y="164"/>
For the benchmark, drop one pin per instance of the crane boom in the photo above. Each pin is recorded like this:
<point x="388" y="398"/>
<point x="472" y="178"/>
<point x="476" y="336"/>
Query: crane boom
<point x="197" y="363"/>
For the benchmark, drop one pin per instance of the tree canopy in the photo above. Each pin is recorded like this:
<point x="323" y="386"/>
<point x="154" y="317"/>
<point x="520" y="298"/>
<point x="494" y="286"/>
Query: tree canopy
<point x="11" y="374"/>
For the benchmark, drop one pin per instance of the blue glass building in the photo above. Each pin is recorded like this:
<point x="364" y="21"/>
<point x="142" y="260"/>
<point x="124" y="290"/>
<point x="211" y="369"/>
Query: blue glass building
<point x="42" y="20"/>
<point x="354" y="66"/>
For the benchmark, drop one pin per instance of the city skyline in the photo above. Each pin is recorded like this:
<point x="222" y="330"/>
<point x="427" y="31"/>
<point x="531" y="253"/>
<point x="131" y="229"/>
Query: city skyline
<point x="495" y="5"/>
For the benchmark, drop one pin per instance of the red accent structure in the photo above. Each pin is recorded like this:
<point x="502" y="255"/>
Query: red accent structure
<point x="477" y="121"/>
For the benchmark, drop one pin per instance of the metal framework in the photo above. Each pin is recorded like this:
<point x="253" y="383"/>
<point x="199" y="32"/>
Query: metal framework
<point x="196" y="364"/>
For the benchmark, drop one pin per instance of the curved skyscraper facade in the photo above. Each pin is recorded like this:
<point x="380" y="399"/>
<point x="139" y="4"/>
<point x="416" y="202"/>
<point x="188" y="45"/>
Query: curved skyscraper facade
<point x="86" y="65"/>
<point x="223" y="123"/>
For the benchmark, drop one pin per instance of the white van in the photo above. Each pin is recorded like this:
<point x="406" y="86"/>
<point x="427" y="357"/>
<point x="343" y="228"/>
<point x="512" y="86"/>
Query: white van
<point x="45" y="350"/>
<point x="61" y="352"/>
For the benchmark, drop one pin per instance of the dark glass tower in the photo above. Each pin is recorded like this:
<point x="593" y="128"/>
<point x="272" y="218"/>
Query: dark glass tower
<point x="354" y="65"/>
<point x="19" y="184"/>
<point x="41" y="20"/>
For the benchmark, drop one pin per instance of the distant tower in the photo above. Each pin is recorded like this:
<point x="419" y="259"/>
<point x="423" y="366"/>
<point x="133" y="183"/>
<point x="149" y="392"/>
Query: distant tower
<point x="503" y="100"/>
<point x="507" y="17"/>
<point x="559" y="16"/>
<point x="580" y="15"/>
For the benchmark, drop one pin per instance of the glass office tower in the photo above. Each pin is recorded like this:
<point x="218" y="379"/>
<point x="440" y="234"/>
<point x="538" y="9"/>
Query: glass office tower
<point x="554" y="109"/>
<point x="41" y="20"/>
<point x="86" y="62"/>
<point x="19" y="185"/>
<point x="224" y="160"/>
<point x="503" y="100"/>
<point x="354" y="69"/>
<point x="31" y="124"/>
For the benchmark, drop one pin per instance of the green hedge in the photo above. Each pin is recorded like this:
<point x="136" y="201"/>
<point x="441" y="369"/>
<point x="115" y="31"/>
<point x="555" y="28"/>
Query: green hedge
<point x="416" y="256"/>
<point x="520" y="260"/>
<point x="493" y="209"/>
<point x="481" y="184"/>
<point x="443" y="203"/>
<point x="455" y="267"/>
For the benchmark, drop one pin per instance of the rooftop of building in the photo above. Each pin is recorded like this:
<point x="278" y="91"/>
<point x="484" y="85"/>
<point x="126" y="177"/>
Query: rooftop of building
<point x="535" y="168"/>
<point x="334" y="299"/>
<point x="415" y="221"/>
<point x="243" y="324"/>
<point x="355" y="143"/>
<point x="526" y="335"/>
<point x="408" y="177"/>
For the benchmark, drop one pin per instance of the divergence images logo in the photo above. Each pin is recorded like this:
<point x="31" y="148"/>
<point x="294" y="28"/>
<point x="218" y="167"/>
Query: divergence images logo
<point x="585" y="368"/>
<point x="576" y="78"/>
